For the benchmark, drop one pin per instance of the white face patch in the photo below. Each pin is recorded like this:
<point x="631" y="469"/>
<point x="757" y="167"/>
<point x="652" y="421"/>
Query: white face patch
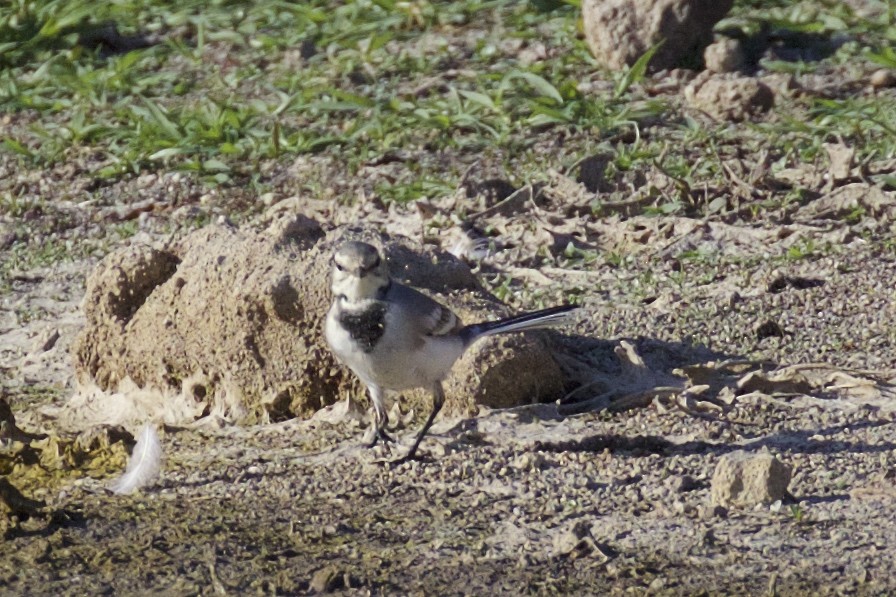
<point x="359" y="273"/>
<point x="356" y="289"/>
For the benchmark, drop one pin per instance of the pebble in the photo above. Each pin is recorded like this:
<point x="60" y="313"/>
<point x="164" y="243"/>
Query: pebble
<point x="882" y="78"/>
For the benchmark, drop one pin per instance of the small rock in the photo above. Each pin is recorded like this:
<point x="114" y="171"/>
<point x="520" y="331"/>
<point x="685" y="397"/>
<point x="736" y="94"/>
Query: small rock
<point x="724" y="56"/>
<point x="769" y="329"/>
<point x="681" y="483"/>
<point x="882" y="78"/>
<point x="729" y="97"/>
<point x="437" y="450"/>
<point x="144" y="181"/>
<point x="573" y="541"/>
<point x="746" y="479"/>
<point x="528" y="461"/>
<point x="619" y="32"/>
<point x="328" y="578"/>
<point x="47" y="340"/>
<point x="842" y="157"/>
<point x="532" y="54"/>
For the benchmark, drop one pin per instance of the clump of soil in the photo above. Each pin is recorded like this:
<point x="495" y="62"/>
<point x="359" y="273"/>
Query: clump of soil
<point x="227" y="322"/>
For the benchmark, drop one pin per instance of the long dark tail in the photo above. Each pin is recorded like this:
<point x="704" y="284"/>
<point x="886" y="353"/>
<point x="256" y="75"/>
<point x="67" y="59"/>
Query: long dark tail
<point x="545" y="318"/>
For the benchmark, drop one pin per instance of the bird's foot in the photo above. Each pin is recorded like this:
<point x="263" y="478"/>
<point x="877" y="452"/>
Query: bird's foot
<point x="392" y="463"/>
<point x="380" y="435"/>
<point x="408" y="458"/>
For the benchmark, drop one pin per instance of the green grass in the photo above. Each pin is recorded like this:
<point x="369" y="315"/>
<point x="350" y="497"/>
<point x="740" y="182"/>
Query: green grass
<point x="230" y="86"/>
<point x="227" y="87"/>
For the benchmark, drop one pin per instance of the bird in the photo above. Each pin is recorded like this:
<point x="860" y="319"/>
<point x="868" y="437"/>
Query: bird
<point x="395" y="338"/>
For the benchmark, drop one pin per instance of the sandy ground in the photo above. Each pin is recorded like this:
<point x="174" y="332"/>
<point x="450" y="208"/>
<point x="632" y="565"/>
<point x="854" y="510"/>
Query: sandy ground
<point x="528" y="500"/>
<point x="780" y="310"/>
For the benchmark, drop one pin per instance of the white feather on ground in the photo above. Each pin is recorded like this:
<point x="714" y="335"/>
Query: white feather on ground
<point x="143" y="466"/>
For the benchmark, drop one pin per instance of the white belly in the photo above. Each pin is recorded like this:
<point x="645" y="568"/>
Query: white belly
<point x="400" y="360"/>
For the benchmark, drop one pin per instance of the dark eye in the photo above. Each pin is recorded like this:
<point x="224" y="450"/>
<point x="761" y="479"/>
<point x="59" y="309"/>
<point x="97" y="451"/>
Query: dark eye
<point x="339" y="268"/>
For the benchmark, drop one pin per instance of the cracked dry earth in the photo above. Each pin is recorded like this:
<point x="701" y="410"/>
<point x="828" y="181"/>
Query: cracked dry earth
<point x="532" y="500"/>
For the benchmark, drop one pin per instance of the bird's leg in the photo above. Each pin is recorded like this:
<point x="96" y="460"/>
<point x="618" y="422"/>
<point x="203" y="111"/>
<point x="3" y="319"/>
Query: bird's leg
<point x="380" y="416"/>
<point x="438" y="399"/>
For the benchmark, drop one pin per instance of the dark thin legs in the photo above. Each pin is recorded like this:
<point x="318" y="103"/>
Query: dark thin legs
<point x="438" y="398"/>
<point x="380" y="416"/>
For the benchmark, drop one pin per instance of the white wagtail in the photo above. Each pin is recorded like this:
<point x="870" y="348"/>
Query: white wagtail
<point x="396" y="338"/>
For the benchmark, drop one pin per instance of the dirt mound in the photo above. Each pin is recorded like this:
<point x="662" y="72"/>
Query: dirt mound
<point x="228" y="323"/>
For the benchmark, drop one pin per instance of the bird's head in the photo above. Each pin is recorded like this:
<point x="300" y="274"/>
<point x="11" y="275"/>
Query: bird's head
<point x="359" y="273"/>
